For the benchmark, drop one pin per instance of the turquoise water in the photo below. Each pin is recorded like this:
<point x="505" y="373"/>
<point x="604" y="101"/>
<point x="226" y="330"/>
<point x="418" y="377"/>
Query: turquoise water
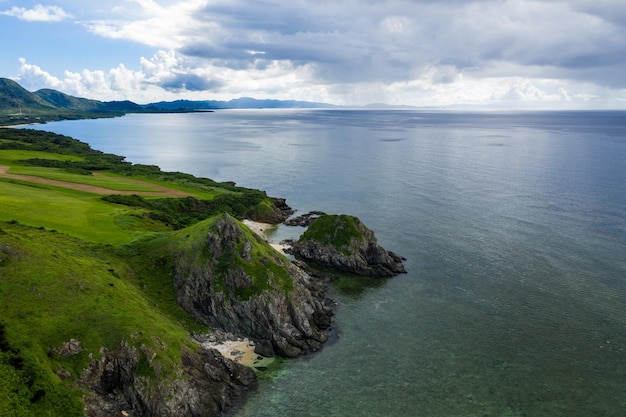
<point x="514" y="230"/>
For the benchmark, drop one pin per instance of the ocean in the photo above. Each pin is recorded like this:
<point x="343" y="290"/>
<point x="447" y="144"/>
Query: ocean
<point x="513" y="225"/>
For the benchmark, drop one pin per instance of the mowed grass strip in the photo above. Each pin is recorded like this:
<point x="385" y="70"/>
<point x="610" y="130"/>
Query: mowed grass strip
<point x="11" y="158"/>
<point x="79" y="214"/>
<point x="113" y="183"/>
<point x="116" y="182"/>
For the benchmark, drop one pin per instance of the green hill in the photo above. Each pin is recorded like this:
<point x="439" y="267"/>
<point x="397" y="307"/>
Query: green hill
<point x="16" y="100"/>
<point x="18" y="105"/>
<point x="65" y="101"/>
<point x="79" y="290"/>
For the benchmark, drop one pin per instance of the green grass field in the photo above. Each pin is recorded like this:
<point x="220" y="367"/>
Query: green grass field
<point x="55" y="288"/>
<point x="73" y="266"/>
<point x="76" y="213"/>
<point x="10" y="156"/>
<point x="114" y="183"/>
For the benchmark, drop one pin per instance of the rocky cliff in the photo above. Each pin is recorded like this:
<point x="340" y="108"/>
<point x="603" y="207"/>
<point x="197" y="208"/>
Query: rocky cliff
<point x="205" y="385"/>
<point x="343" y="242"/>
<point x="230" y="279"/>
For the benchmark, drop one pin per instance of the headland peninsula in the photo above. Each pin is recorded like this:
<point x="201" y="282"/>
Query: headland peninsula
<point x="127" y="290"/>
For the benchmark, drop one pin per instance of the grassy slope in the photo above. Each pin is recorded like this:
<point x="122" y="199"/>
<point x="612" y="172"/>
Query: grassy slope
<point x="73" y="266"/>
<point x="54" y="288"/>
<point x="75" y="212"/>
<point x="338" y="231"/>
<point x="153" y="258"/>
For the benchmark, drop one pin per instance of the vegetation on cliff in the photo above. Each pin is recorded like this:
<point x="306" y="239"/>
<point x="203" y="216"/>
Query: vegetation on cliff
<point x="342" y="232"/>
<point x="343" y="242"/>
<point x="88" y="312"/>
<point x="229" y="278"/>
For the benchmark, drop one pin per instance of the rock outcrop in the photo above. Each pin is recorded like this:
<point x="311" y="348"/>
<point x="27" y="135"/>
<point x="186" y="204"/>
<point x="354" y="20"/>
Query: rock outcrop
<point x="206" y="384"/>
<point x="304" y="220"/>
<point x="232" y="280"/>
<point x="344" y="243"/>
<point x="270" y="210"/>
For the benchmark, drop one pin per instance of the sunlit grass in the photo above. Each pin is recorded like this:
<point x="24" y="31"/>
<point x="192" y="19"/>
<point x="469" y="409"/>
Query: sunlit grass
<point x="9" y="156"/>
<point x="55" y="288"/>
<point x="114" y="183"/>
<point x="76" y="213"/>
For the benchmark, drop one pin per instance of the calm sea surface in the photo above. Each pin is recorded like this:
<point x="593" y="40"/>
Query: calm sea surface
<point x="514" y="230"/>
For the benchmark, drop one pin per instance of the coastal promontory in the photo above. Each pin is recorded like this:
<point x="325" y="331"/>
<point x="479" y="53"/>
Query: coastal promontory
<point x="229" y="278"/>
<point x="120" y="284"/>
<point x="344" y="243"/>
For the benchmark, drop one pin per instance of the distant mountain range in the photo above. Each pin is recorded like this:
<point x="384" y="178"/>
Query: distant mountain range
<point x="238" y="103"/>
<point x="16" y="100"/>
<point x="19" y="105"/>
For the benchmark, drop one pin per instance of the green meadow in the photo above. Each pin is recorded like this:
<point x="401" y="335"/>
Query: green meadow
<point x="83" y="265"/>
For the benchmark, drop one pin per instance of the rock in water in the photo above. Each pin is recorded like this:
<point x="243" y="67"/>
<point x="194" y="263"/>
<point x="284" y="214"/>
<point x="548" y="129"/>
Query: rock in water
<point x="344" y="243"/>
<point x="232" y="280"/>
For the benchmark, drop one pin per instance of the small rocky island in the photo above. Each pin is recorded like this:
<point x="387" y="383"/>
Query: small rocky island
<point x="344" y="243"/>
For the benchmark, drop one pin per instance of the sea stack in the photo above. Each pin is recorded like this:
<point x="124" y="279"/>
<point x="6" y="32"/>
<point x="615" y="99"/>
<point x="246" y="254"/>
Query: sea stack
<point x="344" y="243"/>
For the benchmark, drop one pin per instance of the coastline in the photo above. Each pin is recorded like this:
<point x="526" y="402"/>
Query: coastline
<point x="240" y="351"/>
<point x="260" y="229"/>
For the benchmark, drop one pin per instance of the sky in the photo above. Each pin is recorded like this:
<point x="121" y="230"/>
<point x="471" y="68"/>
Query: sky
<point x="513" y="54"/>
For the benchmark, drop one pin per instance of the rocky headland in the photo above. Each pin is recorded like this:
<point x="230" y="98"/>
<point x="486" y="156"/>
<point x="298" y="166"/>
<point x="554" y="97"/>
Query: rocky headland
<point x="344" y="243"/>
<point x="151" y="307"/>
<point x="230" y="279"/>
<point x="233" y="280"/>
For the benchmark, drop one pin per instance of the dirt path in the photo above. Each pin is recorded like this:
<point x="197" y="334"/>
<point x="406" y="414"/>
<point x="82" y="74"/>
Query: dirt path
<point x="159" y="190"/>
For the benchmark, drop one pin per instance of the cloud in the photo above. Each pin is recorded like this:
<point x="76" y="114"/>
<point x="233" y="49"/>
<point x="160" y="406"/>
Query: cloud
<point x="402" y="51"/>
<point x="165" y="72"/>
<point x="157" y="26"/>
<point x="38" y="13"/>
<point x="188" y="82"/>
<point x="92" y="84"/>
<point x="386" y="41"/>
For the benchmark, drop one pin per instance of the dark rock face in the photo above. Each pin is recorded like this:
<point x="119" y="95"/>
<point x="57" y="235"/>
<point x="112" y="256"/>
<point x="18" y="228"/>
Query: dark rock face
<point x="245" y="287"/>
<point x="206" y="385"/>
<point x="284" y="208"/>
<point x="304" y="220"/>
<point x="70" y="348"/>
<point x="344" y="243"/>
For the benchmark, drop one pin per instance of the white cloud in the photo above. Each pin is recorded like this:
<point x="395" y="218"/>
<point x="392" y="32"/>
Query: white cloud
<point x="158" y="26"/>
<point x="169" y="76"/>
<point x="91" y="84"/>
<point x="38" y="13"/>
<point x="420" y="52"/>
<point x="34" y="75"/>
<point x="382" y="41"/>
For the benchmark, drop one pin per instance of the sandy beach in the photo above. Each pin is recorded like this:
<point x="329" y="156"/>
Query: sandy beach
<point x="261" y="230"/>
<point x="240" y="351"/>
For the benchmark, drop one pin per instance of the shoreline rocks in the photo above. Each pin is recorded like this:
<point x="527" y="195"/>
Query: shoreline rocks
<point x="245" y="287"/>
<point x="207" y="384"/>
<point x="304" y="220"/>
<point x="344" y="243"/>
